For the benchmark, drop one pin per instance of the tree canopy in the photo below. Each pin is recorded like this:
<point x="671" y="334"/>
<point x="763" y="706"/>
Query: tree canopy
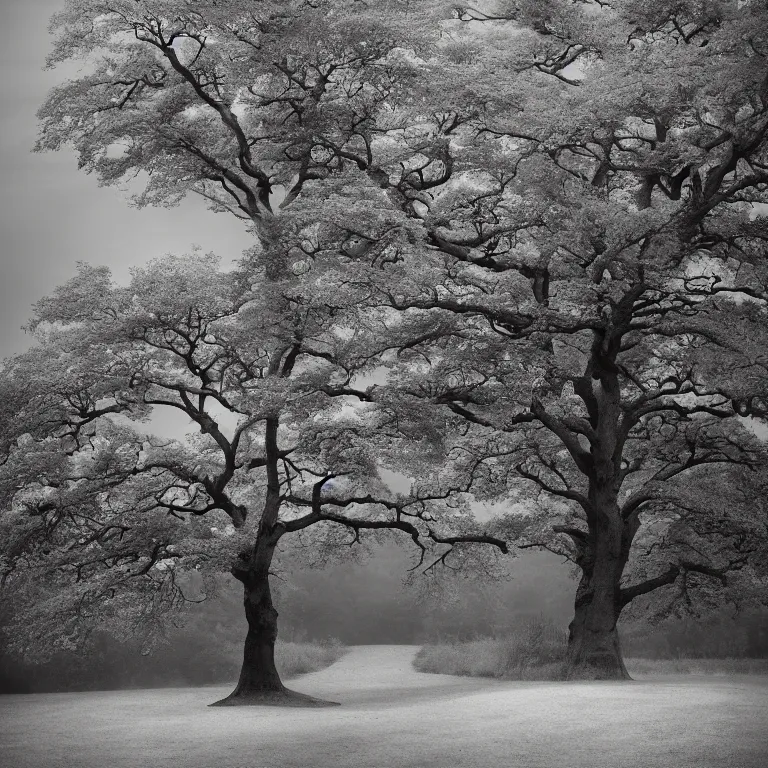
<point x="610" y="281"/>
<point x="540" y="222"/>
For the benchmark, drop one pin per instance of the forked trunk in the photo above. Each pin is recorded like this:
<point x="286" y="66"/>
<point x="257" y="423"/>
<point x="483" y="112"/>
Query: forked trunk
<point x="259" y="681"/>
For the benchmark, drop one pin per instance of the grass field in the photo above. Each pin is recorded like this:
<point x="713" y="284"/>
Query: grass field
<point x="394" y="717"/>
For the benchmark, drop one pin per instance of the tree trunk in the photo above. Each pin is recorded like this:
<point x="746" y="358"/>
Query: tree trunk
<point x="594" y="651"/>
<point x="259" y="681"/>
<point x="259" y="674"/>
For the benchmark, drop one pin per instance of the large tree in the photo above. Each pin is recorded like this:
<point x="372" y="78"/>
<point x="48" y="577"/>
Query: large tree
<point x="105" y="524"/>
<point x="598" y="259"/>
<point x="260" y="109"/>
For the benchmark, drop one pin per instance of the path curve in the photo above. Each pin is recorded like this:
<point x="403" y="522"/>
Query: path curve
<point x="394" y="717"/>
<point x="371" y="675"/>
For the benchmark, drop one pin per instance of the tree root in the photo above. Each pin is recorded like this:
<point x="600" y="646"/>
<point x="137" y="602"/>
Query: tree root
<point x="284" y="698"/>
<point x="597" y="668"/>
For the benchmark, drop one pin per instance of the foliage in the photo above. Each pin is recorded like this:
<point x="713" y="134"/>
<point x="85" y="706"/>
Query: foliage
<point x="596" y="291"/>
<point x="300" y="658"/>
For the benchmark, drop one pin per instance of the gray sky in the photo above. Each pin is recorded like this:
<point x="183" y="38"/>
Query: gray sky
<point x="53" y="215"/>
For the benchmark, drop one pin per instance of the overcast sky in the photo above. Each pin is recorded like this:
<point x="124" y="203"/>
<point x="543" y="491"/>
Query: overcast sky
<point x="53" y="215"/>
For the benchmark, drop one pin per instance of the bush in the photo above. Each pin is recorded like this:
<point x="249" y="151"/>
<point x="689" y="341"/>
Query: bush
<point x="536" y="650"/>
<point x="294" y="659"/>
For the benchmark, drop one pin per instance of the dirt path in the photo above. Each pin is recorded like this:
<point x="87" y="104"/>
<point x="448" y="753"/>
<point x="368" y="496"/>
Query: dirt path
<point x="393" y="717"/>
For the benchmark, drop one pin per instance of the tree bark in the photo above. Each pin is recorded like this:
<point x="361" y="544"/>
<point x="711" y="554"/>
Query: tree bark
<point x="594" y="650"/>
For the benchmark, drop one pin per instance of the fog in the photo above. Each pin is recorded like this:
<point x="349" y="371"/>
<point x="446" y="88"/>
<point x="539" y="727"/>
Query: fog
<point x="370" y="601"/>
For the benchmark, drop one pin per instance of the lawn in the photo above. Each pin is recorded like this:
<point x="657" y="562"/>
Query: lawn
<point x="392" y="717"/>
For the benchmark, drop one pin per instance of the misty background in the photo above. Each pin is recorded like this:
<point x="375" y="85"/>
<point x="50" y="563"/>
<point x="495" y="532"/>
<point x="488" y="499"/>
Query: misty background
<point x="368" y="602"/>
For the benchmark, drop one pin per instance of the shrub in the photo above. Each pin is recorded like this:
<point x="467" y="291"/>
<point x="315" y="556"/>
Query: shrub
<point x="294" y="659"/>
<point x="536" y="650"/>
<point x="719" y="636"/>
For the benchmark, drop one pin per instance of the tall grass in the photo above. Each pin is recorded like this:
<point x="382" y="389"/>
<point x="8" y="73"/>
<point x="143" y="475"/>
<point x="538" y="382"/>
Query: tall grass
<point x="536" y="650"/>
<point x="686" y="666"/>
<point x="720" y="636"/>
<point x="298" y="658"/>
